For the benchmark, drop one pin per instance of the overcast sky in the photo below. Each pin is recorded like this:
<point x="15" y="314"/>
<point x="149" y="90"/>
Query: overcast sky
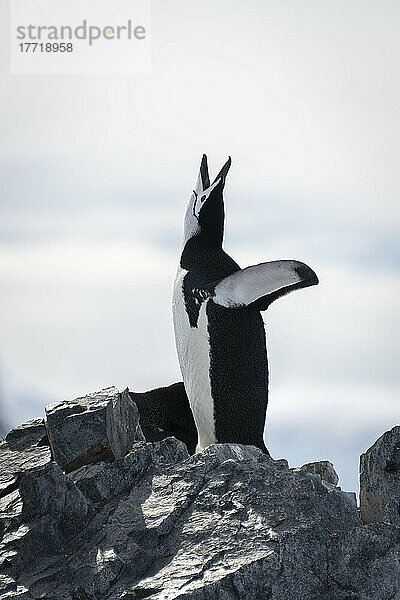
<point x="96" y="171"/>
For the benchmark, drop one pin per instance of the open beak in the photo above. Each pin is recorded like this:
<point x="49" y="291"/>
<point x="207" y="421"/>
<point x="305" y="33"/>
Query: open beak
<point x="204" y="176"/>
<point x="223" y="172"/>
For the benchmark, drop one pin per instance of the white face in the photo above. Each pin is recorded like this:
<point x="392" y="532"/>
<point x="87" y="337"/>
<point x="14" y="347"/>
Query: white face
<point x="197" y="200"/>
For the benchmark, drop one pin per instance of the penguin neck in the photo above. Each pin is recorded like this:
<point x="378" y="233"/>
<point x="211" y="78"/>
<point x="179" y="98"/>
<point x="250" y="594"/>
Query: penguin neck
<point x="211" y="220"/>
<point x="199" y="252"/>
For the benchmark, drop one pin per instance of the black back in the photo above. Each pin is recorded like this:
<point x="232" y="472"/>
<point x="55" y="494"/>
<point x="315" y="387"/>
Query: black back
<point x="166" y="412"/>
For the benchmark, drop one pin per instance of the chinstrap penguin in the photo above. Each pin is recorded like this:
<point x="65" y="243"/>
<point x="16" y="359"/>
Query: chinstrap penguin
<point x="165" y="412"/>
<point x="219" y="331"/>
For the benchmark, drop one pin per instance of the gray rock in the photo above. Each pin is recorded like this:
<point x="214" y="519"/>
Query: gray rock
<point x="55" y="548"/>
<point x="364" y="563"/>
<point x="244" y="527"/>
<point x="324" y="468"/>
<point x="10" y="511"/>
<point x="122" y="424"/>
<point x="20" y="452"/>
<point x="228" y="523"/>
<point x="103" y="481"/>
<point x="380" y="480"/>
<point x="12" y="591"/>
<point x="47" y="491"/>
<point x="98" y="427"/>
<point x="31" y="433"/>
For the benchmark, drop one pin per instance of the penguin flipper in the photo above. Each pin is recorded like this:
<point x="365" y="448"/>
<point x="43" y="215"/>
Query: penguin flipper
<point x="261" y="284"/>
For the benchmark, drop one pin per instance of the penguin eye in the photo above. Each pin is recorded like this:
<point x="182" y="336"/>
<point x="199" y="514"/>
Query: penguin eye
<point x="203" y="198"/>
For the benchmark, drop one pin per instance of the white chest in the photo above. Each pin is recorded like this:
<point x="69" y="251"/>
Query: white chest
<point x="193" y="348"/>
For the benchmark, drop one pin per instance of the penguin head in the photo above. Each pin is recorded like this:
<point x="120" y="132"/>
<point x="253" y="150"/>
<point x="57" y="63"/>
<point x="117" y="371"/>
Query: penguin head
<point x="205" y="211"/>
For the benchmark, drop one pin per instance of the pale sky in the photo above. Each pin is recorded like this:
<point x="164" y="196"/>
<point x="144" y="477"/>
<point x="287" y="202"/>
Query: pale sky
<point x="96" y="172"/>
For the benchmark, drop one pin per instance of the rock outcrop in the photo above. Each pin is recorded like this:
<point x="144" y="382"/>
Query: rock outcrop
<point x="322" y="467"/>
<point x="380" y="480"/>
<point x="97" y="427"/>
<point x="91" y="511"/>
<point x="22" y="450"/>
